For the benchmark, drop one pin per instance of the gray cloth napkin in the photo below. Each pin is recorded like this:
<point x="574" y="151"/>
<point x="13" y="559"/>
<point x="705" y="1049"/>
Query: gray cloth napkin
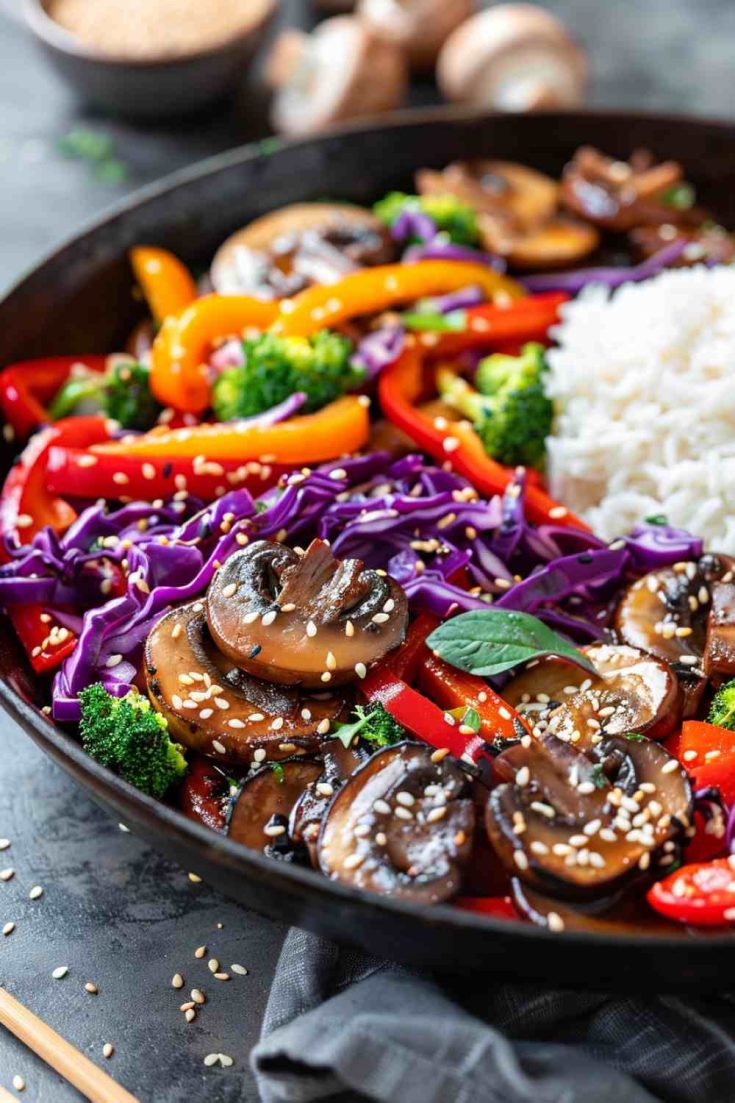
<point x="343" y="1026"/>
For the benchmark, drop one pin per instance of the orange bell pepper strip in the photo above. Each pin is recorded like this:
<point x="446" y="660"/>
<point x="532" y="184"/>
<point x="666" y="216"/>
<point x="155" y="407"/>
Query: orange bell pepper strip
<point x="372" y="290"/>
<point x="456" y="442"/>
<point x="179" y="374"/>
<point x="167" y="284"/>
<point x="454" y="689"/>
<point x="340" y="428"/>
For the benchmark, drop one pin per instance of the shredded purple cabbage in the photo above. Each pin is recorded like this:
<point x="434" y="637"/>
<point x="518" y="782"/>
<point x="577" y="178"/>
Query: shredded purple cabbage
<point x="455" y="300"/>
<point x="443" y="249"/>
<point x="577" y="279"/>
<point x="412" y="222"/>
<point x="449" y="549"/>
<point x="379" y="349"/>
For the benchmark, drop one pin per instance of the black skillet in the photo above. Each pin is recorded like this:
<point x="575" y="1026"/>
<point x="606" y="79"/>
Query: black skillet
<point x="79" y="301"/>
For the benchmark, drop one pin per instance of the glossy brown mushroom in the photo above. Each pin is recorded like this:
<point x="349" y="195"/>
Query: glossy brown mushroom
<point x="292" y="248"/>
<point x="719" y="644"/>
<point x="401" y="826"/>
<point x="632" y="692"/>
<point x="517" y="212"/>
<point x="665" y="613"/>
<point x="626" y="914"/>
<point x="214" y="708"/>
<point x="621" y="195"/>
<point x="578" y="825"/>
<point x="261" y="809"/>
<point x="339" y="763"/>
<point x="308" y="619"/>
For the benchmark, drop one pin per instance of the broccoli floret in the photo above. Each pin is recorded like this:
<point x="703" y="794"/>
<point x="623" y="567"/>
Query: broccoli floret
<point x="130" y="737"/>
<point x="375" y="725"/>
<point x="722" y="709"/>
<point x="123" y="392"/>
<point x="276" y="367"/>
<point x="509" y="409"/>
<point x="455" y="219"/>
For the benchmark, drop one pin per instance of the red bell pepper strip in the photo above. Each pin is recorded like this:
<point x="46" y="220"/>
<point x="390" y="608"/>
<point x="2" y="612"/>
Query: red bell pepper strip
<point x="413" y="652"/>
<point x="26" y="506"/>
<point x="421" y="716"/>
<point x="497" y="907"/>
<point x="499" y="323"/>
<point x="702" y="894"/>
<point x="453" y="689"/>
<point x="456" y="442"/>
<point x="85" y="474"/>
<point x="707" y="753"/>
<point x="26" y="388"/>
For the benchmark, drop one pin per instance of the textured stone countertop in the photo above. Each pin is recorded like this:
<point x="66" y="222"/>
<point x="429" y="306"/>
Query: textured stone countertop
<point x="112" y="910"/>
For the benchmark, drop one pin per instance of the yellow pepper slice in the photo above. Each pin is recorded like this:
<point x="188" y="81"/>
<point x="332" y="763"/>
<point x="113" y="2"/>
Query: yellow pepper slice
<point x="339" y="428"/>
<point x="167" y="284"/>
<point x="372" y="290"/>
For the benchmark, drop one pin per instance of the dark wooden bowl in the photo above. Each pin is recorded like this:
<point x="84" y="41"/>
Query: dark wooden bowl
<point x="155" y="88"/>
<point x="79" y="300"/>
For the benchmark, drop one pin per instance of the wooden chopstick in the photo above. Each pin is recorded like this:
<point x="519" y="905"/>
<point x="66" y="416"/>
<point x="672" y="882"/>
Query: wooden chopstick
<point x="91" y="1081"/>
<point x="6" y="1096"/>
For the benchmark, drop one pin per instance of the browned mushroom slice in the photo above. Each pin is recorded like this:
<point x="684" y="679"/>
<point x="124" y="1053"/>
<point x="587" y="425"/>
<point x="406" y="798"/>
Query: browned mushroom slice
<point x="260" y="812"/>
<point x="621" y="915"/>
<point x="340" y="763"/>
<point x="632" y="692"/>
<point x="222" y="712"/>
<point x="620" y="195"/>
<point x="560" y="242"/>
<point x="665" y="614"/>
<point x="305" y="243"/>
<point x="401" y="826"/>
<point x="719" y="647"/>
<point x="308" y="619"/>
<point x="524" y="196"/>
<point x="577" y="828"/>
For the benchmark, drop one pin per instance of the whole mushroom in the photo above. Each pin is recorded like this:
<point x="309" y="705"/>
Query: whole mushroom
<point x="420" y="27"/>
<point x="343" y="70"/>
<point x="515" y="57"/>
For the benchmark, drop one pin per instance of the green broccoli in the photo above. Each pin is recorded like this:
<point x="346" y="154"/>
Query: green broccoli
<point x="722" y="709"/>
<point x="276" y="367"/>
<point x="130" y="737"/>
<point x="452" y="217"/>
<point x="375" y="725"/>
<point x="122" y="392"/>
<point x="509" y="408"/>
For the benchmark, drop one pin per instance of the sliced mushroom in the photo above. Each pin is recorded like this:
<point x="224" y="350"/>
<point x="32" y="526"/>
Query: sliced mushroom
<point x="512" y="57"/>
<point x="707" y="244"/>
<point x="419" y="27"/>
<point x="621" y="195"/>
<point x="632" y="692"/>
<point x="343" y="70"/>
<point x="281" y="253"/>
<point x="665" y="614"/>
<point x="578" y="825"/>
<point x="622" y="915"/>
<point x="308" y="619"/>
<point x="216" y="709"/>
<point x="401" y="826"/>
<point x="260" y="812"/>
<point x="340" y="763"/>
<point x="719" y="647"/>
<point x="517" y="211"/>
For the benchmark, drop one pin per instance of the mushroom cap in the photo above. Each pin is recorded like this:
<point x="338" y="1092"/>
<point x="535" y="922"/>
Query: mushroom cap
<point x="345" y="71"/>
<point x="296" y="246"/>
<point x="420" y="27"/>
<point x="512" y="57"/>
<point x="311" y="619"/>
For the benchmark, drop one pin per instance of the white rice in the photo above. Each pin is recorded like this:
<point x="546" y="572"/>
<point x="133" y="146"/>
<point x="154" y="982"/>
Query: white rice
<point x="644" y="383"/>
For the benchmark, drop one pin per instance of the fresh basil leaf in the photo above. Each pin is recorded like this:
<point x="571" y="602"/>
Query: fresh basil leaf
<point x="488" y="641"/>
<point x="471" y="719"/>
<point x="657" y="519"/>
<point x="680" y="196"/>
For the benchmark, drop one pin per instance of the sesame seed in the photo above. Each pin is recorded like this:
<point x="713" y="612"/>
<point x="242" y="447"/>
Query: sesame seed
<point x="229" y="589"/>
<point x="7" y="874"/>
<point x="523" y="776"/>
<point x="669" y="767"/>
<point x="195" y="879"/>
<point x="558" y="511"/>
<point x="381" y="838"/>
<point x="323" y="726"/>
<point x="4" y="844"/>
<point x="213" y="965"/>
<point x="325" y="789"/>
<point x="436" y="814"/>
<point x="107" y="1050"/>
<point x="8" y="928"/>
<point x="406" y="799"/>
<point x="352" y="861"/>
<point x="381" y="806"/>
<point x="177" y="981"/>
<point x="211" y="1059"/>
<point x="439" y="755"/>
<point x="268" y="618"/>
<point x="60" y="972"/>
<point x="35" y="892"/>
<point x="19" y="1083"/>
<point x="216" y="745"/>
<point x="331" y="662"/>
<point x="200" y="951"/>
<point x="520" y="859"/>
<point x="311" y="629"/>
<point x="403" y="813"/>
<point x="91" y="988"/>
<point x="239" y="969"/>
<point x="221" y="976"/>
<point x="555" y="921"/>
<point x="198" y="996"/>
<point x="235" y="723"/>
<point x="190" y="1014"/>
<point x="273" y="830"/>
<point x="225" y="1061"/>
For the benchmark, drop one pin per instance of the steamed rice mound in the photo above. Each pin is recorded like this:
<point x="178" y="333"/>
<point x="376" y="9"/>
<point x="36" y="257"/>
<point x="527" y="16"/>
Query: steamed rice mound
<point x="644" y="384"/>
